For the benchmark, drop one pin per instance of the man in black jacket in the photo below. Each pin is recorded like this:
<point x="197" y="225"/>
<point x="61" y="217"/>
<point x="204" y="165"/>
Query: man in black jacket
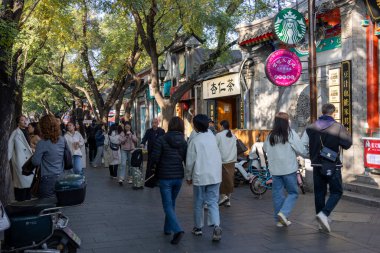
<point x="150" y="136"/>
<point x="328" y="133"/>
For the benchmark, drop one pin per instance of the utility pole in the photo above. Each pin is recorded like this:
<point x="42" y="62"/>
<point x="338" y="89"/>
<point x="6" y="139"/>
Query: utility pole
<point x="312" y="62"/>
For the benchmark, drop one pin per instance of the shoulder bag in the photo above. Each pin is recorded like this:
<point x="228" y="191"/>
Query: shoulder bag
<point x="67" y="158"/>
<point x="328" y="161"/>
<point x="28" y="167"/>
<point x="241" y="148"/>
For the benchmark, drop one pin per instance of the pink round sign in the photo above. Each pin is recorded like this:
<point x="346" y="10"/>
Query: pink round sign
<point x="283" y="68"/>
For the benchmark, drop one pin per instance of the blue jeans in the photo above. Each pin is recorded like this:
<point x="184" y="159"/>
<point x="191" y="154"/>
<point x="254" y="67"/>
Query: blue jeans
<point x="125" y="163"/>
<point x="77" y="164"/>
<point x="282" y="203"/>
<point x="206" y="194"/>
<point x="169" y="189"/>
<point x="47" y="186"/>
<point x="98" y="158"/>
<point x="320" y="191"/>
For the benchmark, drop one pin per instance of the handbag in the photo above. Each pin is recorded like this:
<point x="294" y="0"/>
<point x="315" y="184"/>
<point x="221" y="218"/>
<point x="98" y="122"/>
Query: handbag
<point x="4" y="220"/>
<point x="28" y="167"/>
<point x="241" y="148"/>
<point x="67" y="158"/>
<point x="34" y="188"/>
<point x="114" y="146"/>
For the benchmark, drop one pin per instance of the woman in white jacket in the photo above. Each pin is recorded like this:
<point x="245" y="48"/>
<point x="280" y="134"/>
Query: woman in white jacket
<point x="75" y="142"/>
<point x="204" y="171"/>
<point x="227" y="147"/>
<point x="19" y="152"/>
<point x="282" y="147"/>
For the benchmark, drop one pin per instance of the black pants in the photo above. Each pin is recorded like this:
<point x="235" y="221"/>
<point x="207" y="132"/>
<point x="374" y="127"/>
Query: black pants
<point x="113" y="170"/>
<point x="320" y="191"/>
<point x="91" y="152"/>
<point x="22" y="194"/>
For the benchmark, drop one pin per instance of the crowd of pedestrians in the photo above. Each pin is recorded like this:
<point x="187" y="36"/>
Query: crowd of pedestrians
<point x="206" y="160"/>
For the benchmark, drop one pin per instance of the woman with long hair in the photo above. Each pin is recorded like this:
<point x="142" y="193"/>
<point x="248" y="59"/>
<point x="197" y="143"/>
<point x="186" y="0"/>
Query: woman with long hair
<point x="49" y="155"/>
<point x="75" y="143"/>
<point x="282" y="147"/>
<point x="128" y="144"/>
<point x="168" y="157"/>
<point x="112" y="140"/>
<point x="227" y="147"/>
<point x="81" y="130"/>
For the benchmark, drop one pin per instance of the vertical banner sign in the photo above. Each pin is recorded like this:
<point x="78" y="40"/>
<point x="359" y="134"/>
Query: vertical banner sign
<point x="346" y="105"/>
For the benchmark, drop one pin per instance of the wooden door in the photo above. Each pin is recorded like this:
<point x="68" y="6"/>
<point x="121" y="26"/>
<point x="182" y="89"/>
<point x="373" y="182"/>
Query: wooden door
<point x="226" y="108"/>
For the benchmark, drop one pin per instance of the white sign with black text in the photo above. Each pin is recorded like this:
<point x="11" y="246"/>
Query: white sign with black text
<point x="221" y="87"/>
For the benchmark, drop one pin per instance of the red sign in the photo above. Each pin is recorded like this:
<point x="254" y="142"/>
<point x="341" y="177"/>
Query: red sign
<point x="371" y="153"/>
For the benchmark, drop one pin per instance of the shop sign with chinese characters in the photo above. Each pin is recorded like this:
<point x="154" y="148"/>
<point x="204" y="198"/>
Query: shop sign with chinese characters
<point x="283" y="68"/>
<point x="346" y="105"/>
<point x="221" y="87"/>
<point x="371" y="152"/>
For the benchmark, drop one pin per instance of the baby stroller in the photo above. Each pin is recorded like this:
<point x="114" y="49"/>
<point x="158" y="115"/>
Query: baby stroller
<point x="137" y="169"/>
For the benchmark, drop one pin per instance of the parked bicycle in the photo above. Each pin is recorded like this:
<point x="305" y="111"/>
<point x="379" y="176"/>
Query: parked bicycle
<point x="263" y="181"/>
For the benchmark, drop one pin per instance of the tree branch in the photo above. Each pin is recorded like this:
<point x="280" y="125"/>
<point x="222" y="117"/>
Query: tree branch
<point x="33" y="7"/>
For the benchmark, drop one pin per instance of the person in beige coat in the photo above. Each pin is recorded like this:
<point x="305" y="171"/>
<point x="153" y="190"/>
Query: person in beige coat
<point x="19" y="151"/>
<point x="228" y="150"/>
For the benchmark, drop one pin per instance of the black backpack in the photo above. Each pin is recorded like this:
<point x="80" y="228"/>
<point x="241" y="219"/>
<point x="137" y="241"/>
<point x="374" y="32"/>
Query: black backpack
<point x="137" y="158"/>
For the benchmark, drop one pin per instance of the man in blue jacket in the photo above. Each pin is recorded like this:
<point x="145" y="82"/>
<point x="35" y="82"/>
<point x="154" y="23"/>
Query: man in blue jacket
<point x="150" y="136"/>
<point x="326" y="132"/>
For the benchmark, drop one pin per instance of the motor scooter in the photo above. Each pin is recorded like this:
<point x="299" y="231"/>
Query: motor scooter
<point x="38" y="226"/>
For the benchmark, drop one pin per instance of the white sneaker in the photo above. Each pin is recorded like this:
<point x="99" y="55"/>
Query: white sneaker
<point x="282" y="218"/>
<point x="280" y="225"/>
<point x="223" y="200"/>
<point x="323" y="221"/>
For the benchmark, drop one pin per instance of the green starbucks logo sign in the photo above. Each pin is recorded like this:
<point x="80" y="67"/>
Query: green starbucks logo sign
<point x="290" y="26"/>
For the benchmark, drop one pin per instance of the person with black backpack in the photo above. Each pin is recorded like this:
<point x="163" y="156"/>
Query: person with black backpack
<point x="168" y="158"/>
<point x="324" y="138"/>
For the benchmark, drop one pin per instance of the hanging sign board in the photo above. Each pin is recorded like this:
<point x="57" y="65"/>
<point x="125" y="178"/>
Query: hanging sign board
<point x="371" y="152"/>
<point x="289" y="26"/>
<point x="283" y="68"/>
<point x="221" y="87"/>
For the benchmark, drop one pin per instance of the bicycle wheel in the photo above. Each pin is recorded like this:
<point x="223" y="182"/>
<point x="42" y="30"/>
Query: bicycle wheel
<point x="257" y="186"/>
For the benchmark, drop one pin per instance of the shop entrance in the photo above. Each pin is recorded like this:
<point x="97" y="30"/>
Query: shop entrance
<point x="226" y="108"/>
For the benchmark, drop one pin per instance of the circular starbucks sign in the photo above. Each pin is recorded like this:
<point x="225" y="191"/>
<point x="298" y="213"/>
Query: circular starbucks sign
<point x="283" y="68"/>
<point x="289" y="26"/>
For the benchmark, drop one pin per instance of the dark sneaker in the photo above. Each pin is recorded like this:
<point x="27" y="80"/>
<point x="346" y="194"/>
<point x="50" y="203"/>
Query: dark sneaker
<point x="196" y="231"/>
<point x="177" y="237"/>
<point x="217" y="234"/>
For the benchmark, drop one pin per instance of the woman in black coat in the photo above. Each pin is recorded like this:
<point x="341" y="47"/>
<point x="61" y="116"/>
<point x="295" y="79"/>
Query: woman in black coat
<point x="168" y="158"/>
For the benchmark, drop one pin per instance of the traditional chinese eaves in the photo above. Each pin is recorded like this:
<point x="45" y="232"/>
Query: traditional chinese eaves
<point x="255" y="33"/>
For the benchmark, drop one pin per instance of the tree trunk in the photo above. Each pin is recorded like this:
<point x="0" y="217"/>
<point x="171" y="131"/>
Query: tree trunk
<point x="10" y="14"/>
<point x="7" y="117"/>
<point x="167" y="113"/>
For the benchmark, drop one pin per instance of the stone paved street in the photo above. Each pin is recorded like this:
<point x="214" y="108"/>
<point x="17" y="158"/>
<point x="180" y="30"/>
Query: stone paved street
<point x="118" y="219"/>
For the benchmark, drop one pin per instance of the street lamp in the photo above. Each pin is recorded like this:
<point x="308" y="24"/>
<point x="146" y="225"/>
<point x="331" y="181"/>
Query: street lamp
<point x="161" y="75"/>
